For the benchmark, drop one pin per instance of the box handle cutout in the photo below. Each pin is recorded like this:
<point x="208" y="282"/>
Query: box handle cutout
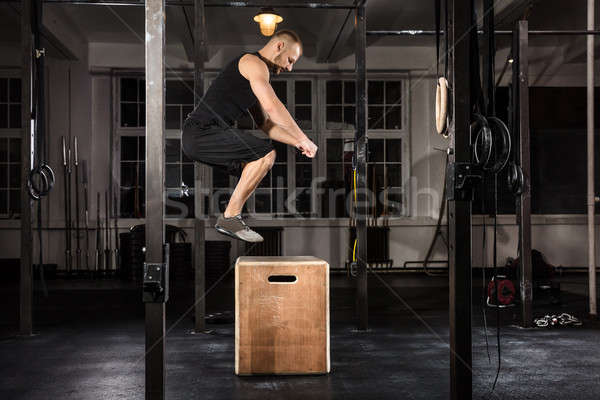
<point x="289" y="279"/>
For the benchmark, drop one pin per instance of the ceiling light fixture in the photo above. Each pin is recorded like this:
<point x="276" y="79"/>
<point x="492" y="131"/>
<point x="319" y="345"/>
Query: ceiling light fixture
<point x="267" y="20"/>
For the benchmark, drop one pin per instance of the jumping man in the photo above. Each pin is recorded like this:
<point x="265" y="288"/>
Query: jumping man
<point x="209" y="136"/>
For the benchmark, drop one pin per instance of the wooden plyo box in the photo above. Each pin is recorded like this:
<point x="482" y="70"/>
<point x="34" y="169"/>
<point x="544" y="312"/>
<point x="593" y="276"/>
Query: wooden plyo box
<point x="281" y="315"/>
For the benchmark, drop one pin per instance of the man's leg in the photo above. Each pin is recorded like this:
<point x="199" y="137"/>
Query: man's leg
<point x="252" y="174"/>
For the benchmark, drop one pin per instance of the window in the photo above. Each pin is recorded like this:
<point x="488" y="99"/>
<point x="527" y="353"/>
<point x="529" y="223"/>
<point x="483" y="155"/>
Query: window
<point x="133" y="175"/>
<point x="10" y="103"/>
<point x="385" y="105"/>
<point x="340" y="105"/>
<point x="132" y="102"/>
<point x="179" y="170"/>
<point x="385" y="172"/>
<point x="10" y="177"/>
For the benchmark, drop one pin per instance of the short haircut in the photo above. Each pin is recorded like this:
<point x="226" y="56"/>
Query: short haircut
<point x="289" y="35"/>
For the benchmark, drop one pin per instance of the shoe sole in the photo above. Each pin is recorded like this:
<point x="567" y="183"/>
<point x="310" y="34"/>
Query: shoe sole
<point x="232" y="235"/>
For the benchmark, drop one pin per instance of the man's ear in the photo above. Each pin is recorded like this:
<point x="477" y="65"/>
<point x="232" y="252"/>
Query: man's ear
<point x="280" y="45"/>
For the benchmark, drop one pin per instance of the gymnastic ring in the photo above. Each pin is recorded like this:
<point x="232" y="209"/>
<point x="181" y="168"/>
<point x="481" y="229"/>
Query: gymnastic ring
<point x="441" y="107"/>
<point x="496" y="124"/>
<point x="516" y="179"/>
<point x="485" y="134"/>
<point x="47" y="177"/>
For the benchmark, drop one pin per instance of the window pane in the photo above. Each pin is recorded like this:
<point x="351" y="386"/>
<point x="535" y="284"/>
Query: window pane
<point x="334" y="117"/>
<point x="179" y="92"/>
<point x="187" y="172"/>
<point x="303" y="175"/>
<point x="349" y="92"/>
<point x="128" y="148"/>
<point x="262" y="202"/>
<point x="266" y="181"/>
<point x="142" y="90"/>
<point x="15" y="150"/>
<point x="172" y="150"/>
<point x="15" y="201"/>
<point x="172" y="115"/>
<point x="4" y="90"/>
<point x="375" y="117"/>
<point x="393" y="150"/>
<point x="279" y="199"/>
<point x="141" y="114"/>
<point x="220" y="178"/>
<point x="129" y="89"/>
<point x="394" y="175"/>
<point x="221" y="200"/>
<point x="128" y="171"/>
<point x="3" y="201"/>
<point x="142" y="173"/>
<point x="280" y="88"/>
<point x="334" y="172"/>
<point x="349" y="117"/>
<point x="3" y="116"/>
<point x="303" y="92"/>
<point x="127" y="201"/>
<point x="172" y="176"/>
<point x="393" y="92"/>
<point x="141" y="148"/>
<point x="375" y="92"/>
<point x="15" y="90"/>
<point x="15" y="116"/>
<point x="3" y="176"/>
<point x="3" y="149"/>
<point x="279" y="173"/>
<point x="303" y="201"/>
<point x="375" y="150"/>
<point x="15" y="175"/>
<point x="375" y="171"/>
<point x="304" y="117"/>
<point x="281" y="150"/>
<point x="393" y="118"/>
<point x="335" y="148"/>
<point x="129" y="115"/>
<point x="334" y="92"/>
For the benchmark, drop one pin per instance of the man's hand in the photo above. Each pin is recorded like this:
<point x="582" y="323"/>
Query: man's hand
<point x="307" y="147"/>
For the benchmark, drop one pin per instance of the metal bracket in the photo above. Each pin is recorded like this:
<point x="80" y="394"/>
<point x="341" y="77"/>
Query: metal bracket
<point x="461" y="178"/>
<point x="156" y="280"/>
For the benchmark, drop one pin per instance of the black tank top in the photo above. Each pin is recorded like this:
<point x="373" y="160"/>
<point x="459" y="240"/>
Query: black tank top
<point x="228" y="97"/>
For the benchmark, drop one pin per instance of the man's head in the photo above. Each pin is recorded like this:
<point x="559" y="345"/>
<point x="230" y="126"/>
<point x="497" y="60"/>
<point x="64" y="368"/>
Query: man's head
<point x="283" y="50"/>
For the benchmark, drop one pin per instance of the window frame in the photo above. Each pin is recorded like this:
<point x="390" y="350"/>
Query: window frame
<point x="11" y="133"/>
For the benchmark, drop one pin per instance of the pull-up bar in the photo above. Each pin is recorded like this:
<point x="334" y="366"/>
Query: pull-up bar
<point x="190" y="3"/>
<point x="419" y="32"/>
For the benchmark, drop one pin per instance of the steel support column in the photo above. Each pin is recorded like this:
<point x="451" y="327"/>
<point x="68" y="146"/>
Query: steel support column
<point x="155" y="124"/>
<point x="459" y="211"/>
<point x="361" y="145"/>
<point x="26" y="280"/>
<point x="521" y="126"/>
<point x="200" y="55"/>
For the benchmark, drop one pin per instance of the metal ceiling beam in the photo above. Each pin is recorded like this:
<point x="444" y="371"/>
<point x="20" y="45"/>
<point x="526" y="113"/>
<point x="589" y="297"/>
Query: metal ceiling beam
<point x="227" y="4"/>
<point x="420" y="32"/>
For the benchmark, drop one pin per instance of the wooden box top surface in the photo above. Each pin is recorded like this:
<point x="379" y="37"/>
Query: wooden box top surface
<point x="253" y="261"/>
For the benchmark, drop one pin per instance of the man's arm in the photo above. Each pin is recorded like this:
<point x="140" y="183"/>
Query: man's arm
<point x="281" y="122"/>
<point x="274" y="131"/>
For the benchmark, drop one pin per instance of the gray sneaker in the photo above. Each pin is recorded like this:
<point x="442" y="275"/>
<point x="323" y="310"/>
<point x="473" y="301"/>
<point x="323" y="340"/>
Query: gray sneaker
<point x="237" y="229"/>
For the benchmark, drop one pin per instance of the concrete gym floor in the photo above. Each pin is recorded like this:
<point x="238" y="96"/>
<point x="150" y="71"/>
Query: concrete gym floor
<point x="90" y="345"/>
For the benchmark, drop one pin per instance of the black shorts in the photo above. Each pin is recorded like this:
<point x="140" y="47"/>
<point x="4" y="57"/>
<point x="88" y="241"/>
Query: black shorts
<point x="228" y="148"/>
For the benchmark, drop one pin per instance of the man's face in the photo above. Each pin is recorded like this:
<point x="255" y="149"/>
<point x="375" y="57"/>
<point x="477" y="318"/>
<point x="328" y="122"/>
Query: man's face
<point x="286" y="59"/>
